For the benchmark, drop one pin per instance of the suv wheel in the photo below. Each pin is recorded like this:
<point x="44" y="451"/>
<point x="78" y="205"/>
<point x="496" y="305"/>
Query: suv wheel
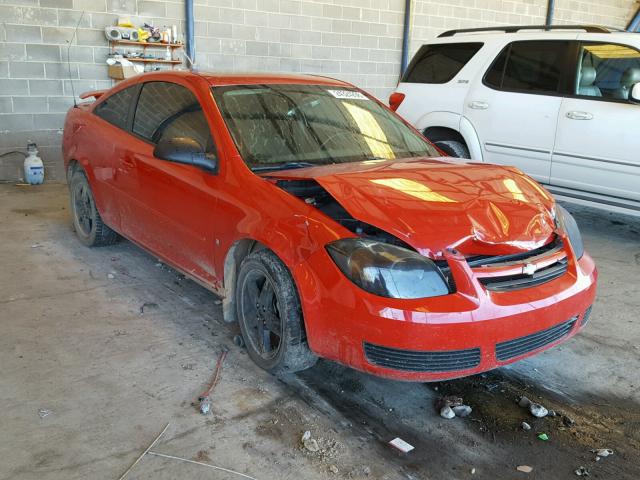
<point x="453" y="148"/>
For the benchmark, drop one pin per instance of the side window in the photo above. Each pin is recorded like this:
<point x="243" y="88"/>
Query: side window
<point x="607" y="70"/>
<point x="439" y="63"/>
<point x="167" y="110"/>
<point x="529" y="66"/>
<point x="115" y="109"/>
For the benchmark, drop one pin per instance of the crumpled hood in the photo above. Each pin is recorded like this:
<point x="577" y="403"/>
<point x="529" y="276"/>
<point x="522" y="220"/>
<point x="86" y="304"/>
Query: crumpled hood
<point x="433" y="204"/>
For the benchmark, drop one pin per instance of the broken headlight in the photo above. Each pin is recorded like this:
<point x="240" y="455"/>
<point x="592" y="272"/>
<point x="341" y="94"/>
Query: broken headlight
<point x="566" y="223"/>
<point x="387" y="270"/>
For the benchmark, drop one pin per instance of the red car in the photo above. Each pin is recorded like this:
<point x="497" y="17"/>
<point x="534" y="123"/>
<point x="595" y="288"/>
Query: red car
<point x="330" y="226"/>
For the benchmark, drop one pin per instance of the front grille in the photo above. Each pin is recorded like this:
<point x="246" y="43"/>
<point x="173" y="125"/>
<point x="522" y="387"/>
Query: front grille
<point x="585" y="317"/>
<point x="417" y="361"/>
<point x="517" y="282"/>
<point x="520" y="346"/>
<point x="485" y="260"/>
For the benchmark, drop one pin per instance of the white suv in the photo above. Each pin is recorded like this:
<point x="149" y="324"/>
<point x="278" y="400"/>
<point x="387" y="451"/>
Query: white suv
<point x="560" y="104"/>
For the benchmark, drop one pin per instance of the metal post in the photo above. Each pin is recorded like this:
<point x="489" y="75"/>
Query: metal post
<point x="190" y="41"/>
<point x="406" y="36"/>
<point x="551" y="6"/>
<point x="634" y="24"/>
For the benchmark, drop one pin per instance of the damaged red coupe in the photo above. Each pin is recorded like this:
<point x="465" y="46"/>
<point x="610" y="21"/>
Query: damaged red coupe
<point x="330" y="227"/>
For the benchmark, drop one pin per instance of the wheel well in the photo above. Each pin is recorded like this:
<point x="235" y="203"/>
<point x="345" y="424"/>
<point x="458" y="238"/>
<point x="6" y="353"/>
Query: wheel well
<point x="236" y="254"/>
<point x="73" y="166"/>
<point x="437" y="134"/>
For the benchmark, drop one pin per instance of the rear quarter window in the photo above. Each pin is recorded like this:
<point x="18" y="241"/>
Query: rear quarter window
<point x="439" y="63"/>
<point x="115" y="108"/>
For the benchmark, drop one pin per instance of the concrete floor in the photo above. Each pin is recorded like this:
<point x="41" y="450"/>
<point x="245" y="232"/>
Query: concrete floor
<point x="88" y="381"/>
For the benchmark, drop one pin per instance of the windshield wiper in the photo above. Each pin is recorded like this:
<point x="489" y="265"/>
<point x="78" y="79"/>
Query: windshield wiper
<point x="282" y="166"/>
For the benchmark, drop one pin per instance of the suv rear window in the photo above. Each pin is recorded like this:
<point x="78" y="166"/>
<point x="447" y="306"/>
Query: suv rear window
<point x="439" y="63"/>
<point x="534" y="66"/>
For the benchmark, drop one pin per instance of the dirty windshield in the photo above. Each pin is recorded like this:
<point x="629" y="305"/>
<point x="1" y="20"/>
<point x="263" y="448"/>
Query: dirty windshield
<point x="293" y="126"/>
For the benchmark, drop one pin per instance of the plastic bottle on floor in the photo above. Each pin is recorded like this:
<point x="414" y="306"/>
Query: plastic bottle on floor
<point x="33" y="166"/>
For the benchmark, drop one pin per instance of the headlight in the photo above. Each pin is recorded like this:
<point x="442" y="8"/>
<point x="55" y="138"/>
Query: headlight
<point x="387" y="270"/>
<point x="567" y="223"/>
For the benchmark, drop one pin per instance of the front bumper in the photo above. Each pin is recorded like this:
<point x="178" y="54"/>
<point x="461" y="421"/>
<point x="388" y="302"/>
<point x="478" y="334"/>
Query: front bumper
<point x="470" y="331"/>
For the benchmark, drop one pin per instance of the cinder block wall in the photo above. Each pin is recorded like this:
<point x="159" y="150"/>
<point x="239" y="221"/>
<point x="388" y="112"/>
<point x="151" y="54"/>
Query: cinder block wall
<point x="355" y="40"/>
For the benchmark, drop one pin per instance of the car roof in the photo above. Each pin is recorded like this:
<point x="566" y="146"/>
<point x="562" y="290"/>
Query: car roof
<point x="258" y="78"/>
<point x="531" y="33"/>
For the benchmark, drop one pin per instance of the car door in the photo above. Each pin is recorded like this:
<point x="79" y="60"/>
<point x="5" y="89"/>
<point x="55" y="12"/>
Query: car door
<point x="598" y="141"/>
<point x="114" y="114"/>
<point x="514" y="107"/>
<point x="170" y="207"/>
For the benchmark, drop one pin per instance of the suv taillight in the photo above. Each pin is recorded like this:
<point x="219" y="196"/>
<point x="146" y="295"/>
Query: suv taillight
<point x="395" y="100"/>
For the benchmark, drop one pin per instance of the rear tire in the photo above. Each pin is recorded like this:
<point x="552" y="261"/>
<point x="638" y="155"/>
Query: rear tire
<point x="270" y="315"/>
<point x="453" y="148"/>
<point x="87" y="223"/>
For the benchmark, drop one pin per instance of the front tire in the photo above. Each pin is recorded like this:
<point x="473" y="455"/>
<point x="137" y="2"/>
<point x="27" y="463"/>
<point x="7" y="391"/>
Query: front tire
<point x="87" y="223"/>
<point x="270" y="315"/>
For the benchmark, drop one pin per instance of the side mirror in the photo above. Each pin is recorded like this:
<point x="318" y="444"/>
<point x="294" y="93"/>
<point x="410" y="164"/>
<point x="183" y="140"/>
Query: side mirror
<point x="635" y="93"/>
<point x="187" y="151"/>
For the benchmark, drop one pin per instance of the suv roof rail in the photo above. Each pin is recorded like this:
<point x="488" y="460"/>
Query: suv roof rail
<point x="517" y="28"/>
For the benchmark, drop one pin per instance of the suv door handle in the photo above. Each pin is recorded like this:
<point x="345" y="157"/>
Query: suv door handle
<point x="579" y="115"/>
<point x="478" y="105"/>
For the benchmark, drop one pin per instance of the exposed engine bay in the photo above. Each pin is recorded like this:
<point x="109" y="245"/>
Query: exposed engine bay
<point x="312" y="193"/>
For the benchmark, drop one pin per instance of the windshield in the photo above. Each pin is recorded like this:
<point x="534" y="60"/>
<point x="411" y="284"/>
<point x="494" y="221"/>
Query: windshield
<point x="289" y="126"/>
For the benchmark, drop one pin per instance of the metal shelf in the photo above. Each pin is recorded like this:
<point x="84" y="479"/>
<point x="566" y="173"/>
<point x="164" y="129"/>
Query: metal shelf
<point x="147" y="44"/>
<point x="153" y="60"/>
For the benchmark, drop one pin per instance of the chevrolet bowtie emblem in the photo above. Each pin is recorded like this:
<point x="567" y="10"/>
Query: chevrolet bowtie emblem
<point x="529" y="269"/>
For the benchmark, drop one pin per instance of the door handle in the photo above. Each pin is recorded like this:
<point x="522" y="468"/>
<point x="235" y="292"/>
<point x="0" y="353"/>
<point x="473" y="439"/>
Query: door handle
<point x="127" y="163"/>
<point x="478" y="105"/>
<point x="579" y="115"/>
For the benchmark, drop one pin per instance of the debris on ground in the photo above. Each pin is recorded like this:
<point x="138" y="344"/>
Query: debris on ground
<point x="544" y="437"/>
<point x="462" y="410"/>
<point x="218" y="302"/>
<point x="524" y="402"/>
<point x="535" y="409"/>
<point x="525" y="426"/>
<point x="472" y="471"/>
<point x="449" y="401"/>
<point x="582" y="472"/>
<point x="148" y="306"/>
<point x="333" y="469"/>
<point x="451" y="406"/>
<point x="36" y="245"/>
<point x="524" y="468"/>
<point x="205" y="398"/>
<point x="43" y="412"/>
<point x="110" y="276"/>
<point x="309" y="443"/>
<point x="447" y="412"/>
<point x="538" y="410"/>
<point x="602" y="453"/>
<point x="401" y="445"/>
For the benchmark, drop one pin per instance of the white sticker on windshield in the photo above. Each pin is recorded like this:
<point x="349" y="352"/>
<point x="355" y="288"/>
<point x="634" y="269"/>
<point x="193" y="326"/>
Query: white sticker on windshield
<point x="348" y="95"/>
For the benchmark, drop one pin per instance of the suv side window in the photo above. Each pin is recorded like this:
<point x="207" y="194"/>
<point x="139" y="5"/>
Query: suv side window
<point x="115" y="109"/>
<point x="439" y="63"/>
<point x="529" y="66"/>
<point x="168" y="110"/>
<point x="606" y="70"/>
